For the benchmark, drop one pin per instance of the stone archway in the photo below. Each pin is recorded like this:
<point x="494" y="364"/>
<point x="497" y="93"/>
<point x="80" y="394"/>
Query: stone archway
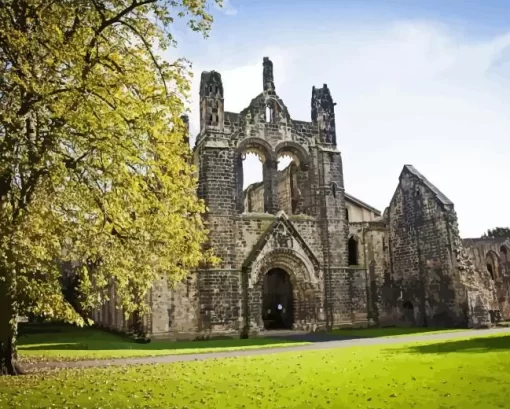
<point x="303" y="282"/>
<point x="493" y="265"/>
<point x="277" y="300"/>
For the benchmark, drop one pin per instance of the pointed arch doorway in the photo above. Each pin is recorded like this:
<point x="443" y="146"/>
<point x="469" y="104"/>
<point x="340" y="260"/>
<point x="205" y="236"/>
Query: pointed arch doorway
<point x="277" y="300"/>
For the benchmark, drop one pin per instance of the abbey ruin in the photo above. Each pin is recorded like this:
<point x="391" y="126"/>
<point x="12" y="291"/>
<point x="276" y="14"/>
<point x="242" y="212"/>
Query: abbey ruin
<point x="300" y="253"/>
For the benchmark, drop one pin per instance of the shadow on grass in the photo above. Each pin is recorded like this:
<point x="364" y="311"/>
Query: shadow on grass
<point x="42" y="337"/>
<point x="378" y="332"/>
<point x="29" y="334"/>
<point x="475" y="345"/>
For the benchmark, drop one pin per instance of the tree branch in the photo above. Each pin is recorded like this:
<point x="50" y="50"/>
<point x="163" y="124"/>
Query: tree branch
<point x="148" y="47"/>
<point x="106" y="23"/>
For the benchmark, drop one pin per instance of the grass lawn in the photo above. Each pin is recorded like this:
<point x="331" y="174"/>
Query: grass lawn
<point x="64" y="342"/>
<point x="391" y="332"/>
<point x="462" y="373"/>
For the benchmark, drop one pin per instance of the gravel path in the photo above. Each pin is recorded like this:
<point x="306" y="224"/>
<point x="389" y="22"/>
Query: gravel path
<point x="319" y="345"/>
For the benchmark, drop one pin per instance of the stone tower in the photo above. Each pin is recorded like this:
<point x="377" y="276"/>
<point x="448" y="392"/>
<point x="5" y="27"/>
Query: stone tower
<point x="295" y="247"/>
<point x="283" y="263"/>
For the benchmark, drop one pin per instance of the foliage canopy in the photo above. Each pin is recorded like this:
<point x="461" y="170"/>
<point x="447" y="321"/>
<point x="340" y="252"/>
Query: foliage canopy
<point x="94" y="167"/>
<point x="498" y="232"/>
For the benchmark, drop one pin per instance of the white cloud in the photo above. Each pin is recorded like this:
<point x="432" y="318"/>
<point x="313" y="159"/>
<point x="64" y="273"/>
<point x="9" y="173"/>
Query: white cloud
<point x="408" y="92"/>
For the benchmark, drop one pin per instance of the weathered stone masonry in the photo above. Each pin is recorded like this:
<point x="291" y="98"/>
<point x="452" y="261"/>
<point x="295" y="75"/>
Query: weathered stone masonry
<point x="421" y="273"/>
<point x="297" y="226"/>
<point x="338" y="260"/>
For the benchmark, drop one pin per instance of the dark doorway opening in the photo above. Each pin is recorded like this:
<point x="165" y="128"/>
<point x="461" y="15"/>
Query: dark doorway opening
<point x="277" y="300"/>
<point x="490" y="270"/>
<point x="408" y="312"/>
<point x="353" y="251"/>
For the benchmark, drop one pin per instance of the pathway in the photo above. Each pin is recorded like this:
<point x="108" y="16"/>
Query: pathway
<point x="265" y="351"/>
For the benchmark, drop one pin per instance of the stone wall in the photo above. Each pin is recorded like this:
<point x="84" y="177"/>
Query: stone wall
<point x="428" y="266"/>
<point x="175" y="309"/>
<point x="110" y="315"/>
<point x="310" y="246"/>
<point x="420" y="255"/>
<point x="358" y="211"/>
<point x="410" y="265"/>
<point x="254" y="193"/>
<point x="492" y="256"/>
<point x="349" y="297"/>
<point x="285" y="190"/>
<point x="254" y="198"/>
<point x="219" y="299"/>
<point x="373" y="255"/>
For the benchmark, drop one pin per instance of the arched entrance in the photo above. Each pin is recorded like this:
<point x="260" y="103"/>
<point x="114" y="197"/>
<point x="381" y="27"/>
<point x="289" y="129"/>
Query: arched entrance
<point x="277" y="300"/>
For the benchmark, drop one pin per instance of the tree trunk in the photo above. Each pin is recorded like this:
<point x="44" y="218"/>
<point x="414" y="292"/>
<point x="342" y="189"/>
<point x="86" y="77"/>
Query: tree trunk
<point x="8" y="325"/>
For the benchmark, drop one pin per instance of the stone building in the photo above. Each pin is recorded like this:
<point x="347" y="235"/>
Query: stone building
<point x="298" y="252"/>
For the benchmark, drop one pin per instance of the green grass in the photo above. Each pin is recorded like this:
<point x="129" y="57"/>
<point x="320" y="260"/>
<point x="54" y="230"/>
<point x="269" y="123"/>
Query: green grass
<point x="392" y="332"/>
<point x="470" y="373"/>
<point x="67" y="343"/>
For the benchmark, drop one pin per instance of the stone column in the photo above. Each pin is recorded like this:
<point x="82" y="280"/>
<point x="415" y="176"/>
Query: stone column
<point x="271" y="181"/>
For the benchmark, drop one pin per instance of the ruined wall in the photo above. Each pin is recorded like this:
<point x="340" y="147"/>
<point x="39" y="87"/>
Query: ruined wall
<point x="284" y="190"/>
<point x="266" y="242"/>
<point x="254" y="198"/>
<point x="219" y="298"/>
<point x="358" y="211"/>
<point x="432" y="281"/>
<point x="373" y="256"/>
<point x="358" y="214"/>
<point x="357" y="232"/>
<point x="254" y="193"/>
<point x="492" y="257"/>
<point x="421" y="256"/>
<point x="309" y="229"/>
<point x="250" y="231"/>
<point x="175" y="309"/>
<point x="110" y="315"/>
<point x="366" y="245"/>
<point x="410" y="268"/>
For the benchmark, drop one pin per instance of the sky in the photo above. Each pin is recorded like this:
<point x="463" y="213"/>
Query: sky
<point x="421" y="82"/>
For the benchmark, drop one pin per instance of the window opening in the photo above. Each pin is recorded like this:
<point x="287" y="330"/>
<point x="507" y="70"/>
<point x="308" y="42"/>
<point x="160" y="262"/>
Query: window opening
<point x="269" y="114"/>
<point x="353" y="251"/>
<point x="253" y="183"/>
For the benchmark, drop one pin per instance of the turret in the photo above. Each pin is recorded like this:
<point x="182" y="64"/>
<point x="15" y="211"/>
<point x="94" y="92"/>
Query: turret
<point x="267" y="76"/>
<point x="211" y="101"/>
<point x="323" y="114"/>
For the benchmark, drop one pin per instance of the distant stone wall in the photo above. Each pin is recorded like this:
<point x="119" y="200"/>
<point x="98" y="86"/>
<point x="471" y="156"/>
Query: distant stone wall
<point x="491" y="257"/>
<point x="110" y="315"/>
<point x="284" y="190"/>
<point x="254" y="198"/>
<point x="254" y="194"/>
<point x="374" y="256"/>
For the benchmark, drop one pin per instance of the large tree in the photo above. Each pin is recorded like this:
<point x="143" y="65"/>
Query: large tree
<point x="94" y="168"/>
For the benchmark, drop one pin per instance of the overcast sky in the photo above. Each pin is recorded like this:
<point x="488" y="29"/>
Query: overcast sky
<point x="427" y="85"/>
